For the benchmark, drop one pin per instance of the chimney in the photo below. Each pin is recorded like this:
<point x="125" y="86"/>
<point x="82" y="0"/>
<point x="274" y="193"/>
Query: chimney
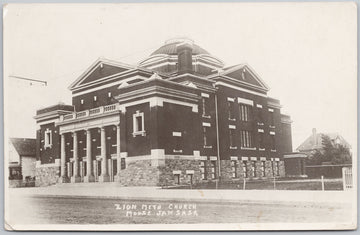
<point x="184" y="53"/>
<point x="314" y="136"/>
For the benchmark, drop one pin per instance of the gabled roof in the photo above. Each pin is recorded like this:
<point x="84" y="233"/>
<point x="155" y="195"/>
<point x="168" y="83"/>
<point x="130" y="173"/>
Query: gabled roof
<point x="24" y="146"/>
<point x="100" y="69"/>
<point x="242" y="74"/>
<point x="315" y="142"/>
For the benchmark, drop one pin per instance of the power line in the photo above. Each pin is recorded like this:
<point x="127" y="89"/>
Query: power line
<point x="29" y="79"/>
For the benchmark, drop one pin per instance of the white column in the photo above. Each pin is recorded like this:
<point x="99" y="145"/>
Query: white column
<point x="62" y="159"/>
<point x="89" y="172"/>
<point x="75" y="178"/>
<point x="104" y="177"/>
<point x="118" y="158"/>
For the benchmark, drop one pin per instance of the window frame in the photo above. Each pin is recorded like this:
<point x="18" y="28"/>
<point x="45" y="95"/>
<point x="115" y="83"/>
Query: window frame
<point x="137" y="115"/>
<point x="48" y="138"/>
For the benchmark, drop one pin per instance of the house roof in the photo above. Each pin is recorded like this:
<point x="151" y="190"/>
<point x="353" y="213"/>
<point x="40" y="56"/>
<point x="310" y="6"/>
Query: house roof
<point x="24" y="146"/>
<point x="314" y="141"/>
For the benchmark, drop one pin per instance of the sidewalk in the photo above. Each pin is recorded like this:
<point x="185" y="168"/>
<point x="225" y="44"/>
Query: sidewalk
<point x="115" y="191"/>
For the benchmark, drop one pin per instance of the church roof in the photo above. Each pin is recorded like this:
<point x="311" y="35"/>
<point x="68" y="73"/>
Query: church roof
<point x="170" y="47"/>
<point x="24" y="146"/>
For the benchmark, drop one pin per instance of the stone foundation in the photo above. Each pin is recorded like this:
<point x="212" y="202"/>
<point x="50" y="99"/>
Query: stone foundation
<point x="227" y="171"/>
<point x="47" y="175"/>
<point x="186" y="168"/>
<point x="139" y="173"/>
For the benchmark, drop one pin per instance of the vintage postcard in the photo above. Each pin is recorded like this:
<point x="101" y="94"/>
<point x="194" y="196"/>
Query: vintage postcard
<point x="180" y="116"/>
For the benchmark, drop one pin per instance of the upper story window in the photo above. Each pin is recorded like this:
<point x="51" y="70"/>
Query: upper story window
<point x="231" y="108"/>
<point x="246" y="139"/>
<point x="232" y="137"/>
<point x="109" y="97"/>
<point x="205" y="104"/>
<point x="177" y="141"/>
<point x="138" y="123"/>
<point x="245" y="112"/>
<point x="95" y="101"/>
<point x="48" y="139"/>
<point x="206" y="135"/>
<point x="261" y="141"/>
<point x="272" y="121"/>
<point x="273" y="146"/>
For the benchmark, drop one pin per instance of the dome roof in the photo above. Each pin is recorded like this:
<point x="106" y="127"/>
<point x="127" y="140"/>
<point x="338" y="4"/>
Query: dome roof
<point x="170" y="47"/>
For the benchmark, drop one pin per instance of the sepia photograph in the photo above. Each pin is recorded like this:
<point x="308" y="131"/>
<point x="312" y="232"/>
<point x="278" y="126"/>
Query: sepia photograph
<point x="180" y="116"/>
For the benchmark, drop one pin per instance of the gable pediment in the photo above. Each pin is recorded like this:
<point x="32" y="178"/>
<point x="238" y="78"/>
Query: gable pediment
<point x="99" y="71"/>
<point x="243" y="74"/>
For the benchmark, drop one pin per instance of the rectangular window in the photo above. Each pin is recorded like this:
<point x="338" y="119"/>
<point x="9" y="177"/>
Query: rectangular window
<point x="263" y="168"/>
<point x="231" y="109"/>
<point x="203" y="170"/>
<point x="232" y="138"/>
<point x="261" y="141"/>
<point x="253" y="168"/>
<point x="109" y="97"/>
<point x="273" y="146"/>
<point x="246" y="139"/>
<point x="272" y="122"/>
<point x="213" y="169"/>
<point x="206" y="136"/>
<point x="138" y="124"/>
<point x="177" y="144"/>
<point x="245" y="169"/>
<point x="245" y="112"/>
<point x="205" y="105"/>
<point x="177" y="179"/>
<point x="48" y="139"/>
<point x="123" y="165"/>
<point x="277" y="170"/>
<point x="234" y="169"/>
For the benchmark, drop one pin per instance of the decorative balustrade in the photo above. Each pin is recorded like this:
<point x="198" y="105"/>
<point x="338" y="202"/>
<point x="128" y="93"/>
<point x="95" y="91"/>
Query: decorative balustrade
<point x="68" y="116"/>
<point x="94" y="111"/>
<point x="91" y="112"/>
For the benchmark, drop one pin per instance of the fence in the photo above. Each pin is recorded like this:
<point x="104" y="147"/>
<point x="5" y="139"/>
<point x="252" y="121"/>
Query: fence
<point x="347" y="177"/>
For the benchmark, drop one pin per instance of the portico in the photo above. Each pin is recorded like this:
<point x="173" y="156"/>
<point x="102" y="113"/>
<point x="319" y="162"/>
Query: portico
<point x="90" y="145"/>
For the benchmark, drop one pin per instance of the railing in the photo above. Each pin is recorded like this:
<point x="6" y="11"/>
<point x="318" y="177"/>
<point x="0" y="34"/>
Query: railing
<point x="68" y="116"/>
<point x="91" y="112"/>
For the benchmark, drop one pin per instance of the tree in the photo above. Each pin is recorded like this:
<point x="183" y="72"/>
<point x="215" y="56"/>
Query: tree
<point x="330" y="152"/>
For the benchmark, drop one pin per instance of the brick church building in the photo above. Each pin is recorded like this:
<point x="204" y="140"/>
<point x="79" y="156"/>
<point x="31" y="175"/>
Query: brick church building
<point x="178" y="117"/>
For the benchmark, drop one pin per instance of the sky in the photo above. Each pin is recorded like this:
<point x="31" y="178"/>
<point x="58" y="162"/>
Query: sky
<point x="305" y="52"/>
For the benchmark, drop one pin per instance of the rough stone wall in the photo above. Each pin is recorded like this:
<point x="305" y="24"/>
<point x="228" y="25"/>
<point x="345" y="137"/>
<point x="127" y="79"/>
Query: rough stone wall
<point x="268" y="169"/>
<point x="16" y="183"/>
<point x="47" y="175"/>
<point x="208" y="170"/>
<point x="139" y="173"/>
<point x="226" y="170"/>
<point x="167" y="177"/>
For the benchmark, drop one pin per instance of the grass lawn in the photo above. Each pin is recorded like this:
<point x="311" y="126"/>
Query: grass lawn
<point x="283" y="184"/>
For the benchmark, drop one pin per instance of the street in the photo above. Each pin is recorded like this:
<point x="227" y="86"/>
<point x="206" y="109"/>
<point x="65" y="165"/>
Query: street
<point x="83" y="210"/>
